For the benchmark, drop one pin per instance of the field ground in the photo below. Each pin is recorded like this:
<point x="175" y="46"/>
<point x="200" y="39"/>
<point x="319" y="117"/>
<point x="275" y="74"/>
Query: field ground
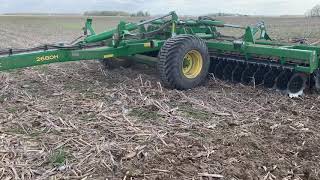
<point x="79" y="121"/>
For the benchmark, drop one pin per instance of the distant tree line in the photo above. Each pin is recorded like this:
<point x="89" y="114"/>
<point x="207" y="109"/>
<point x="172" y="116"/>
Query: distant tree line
<point x="117" y="13"/>
<point x="224" y="14"/>
<point x="43" y="14"/>
<point x="106" y="13"/>
<point x="314" y="12"/>
<point x="141" y="14"/>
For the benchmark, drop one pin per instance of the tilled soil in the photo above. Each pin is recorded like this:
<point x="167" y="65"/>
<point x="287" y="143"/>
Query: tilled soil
<point x="80" y="121"/>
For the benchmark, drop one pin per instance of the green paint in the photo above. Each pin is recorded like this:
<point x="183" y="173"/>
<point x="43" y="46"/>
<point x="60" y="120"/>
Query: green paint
<point x="119" y="43"/>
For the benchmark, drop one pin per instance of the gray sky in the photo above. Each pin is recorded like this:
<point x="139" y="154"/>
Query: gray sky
<point x="191" y="7"/>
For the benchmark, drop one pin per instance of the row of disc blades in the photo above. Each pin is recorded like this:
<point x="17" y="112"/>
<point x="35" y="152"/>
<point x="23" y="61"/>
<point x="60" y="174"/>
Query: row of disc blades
<point x="272" y="77"/>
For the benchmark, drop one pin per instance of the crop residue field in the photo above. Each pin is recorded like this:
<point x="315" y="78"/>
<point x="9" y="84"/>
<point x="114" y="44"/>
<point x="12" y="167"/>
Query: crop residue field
<point x="79" y="121"/>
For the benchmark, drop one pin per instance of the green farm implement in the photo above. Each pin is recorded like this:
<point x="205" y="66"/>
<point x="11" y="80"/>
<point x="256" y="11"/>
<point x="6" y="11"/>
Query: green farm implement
<point x="186" y="52"/>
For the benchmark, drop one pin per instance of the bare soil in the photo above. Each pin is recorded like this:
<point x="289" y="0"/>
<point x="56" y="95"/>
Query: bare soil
<point x="80" y="121"/>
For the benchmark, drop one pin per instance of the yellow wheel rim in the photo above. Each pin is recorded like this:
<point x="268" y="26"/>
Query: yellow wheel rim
<point x="192" y="64"/>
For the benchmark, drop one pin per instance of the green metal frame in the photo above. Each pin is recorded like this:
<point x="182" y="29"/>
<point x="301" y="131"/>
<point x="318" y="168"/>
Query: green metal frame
<point x="123" y="41"/>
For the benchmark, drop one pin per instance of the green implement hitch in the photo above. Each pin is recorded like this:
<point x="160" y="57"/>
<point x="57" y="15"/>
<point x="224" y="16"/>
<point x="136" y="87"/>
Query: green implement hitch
<point x="186" y="51"/>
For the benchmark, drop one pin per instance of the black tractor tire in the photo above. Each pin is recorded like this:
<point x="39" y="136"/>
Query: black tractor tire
<point x="115" y="63"/>
<point x="175" y="58"/>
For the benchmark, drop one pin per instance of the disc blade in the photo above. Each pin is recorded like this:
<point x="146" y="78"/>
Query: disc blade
<point x="237" y="73"/>
<point x="283" y="79"/>
<point x="270" y="78"/>
<point x="296" y="85"/>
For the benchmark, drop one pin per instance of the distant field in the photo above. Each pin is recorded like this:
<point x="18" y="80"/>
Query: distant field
<point x="78" y="120"/>
<point x="26" y="31"/>
<point x="23" y="31"/>
<point x="284" y="28"/>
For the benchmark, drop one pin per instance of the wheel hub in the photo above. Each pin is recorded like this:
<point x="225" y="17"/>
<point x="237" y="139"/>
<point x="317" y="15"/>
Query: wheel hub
<point x="192" y="64"/>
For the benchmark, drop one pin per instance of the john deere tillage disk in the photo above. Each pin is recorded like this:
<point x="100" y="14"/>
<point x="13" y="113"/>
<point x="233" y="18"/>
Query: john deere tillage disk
<point x="187" y="51"/>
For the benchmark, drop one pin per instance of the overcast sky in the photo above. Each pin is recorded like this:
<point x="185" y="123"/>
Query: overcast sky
<point x="190" y="7"/>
